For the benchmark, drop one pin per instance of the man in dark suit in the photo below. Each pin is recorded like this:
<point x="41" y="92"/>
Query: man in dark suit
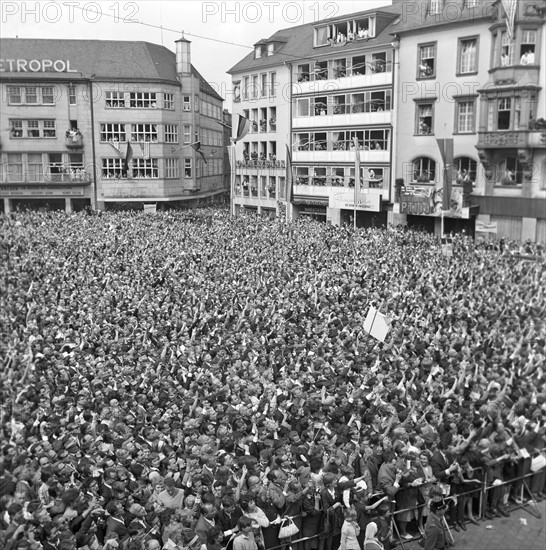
<point x="443" y="467"/>
<point x="228" y="517"/>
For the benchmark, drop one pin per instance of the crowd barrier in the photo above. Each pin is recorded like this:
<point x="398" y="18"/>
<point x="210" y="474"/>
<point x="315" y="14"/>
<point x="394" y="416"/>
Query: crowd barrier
<point x="480" y="493"/>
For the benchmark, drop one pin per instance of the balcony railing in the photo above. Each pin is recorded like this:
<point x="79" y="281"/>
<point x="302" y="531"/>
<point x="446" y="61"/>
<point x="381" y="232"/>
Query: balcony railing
<point x="74" y="140"/>
<point x="47" y="173"/>
<point x="257" y="163"/>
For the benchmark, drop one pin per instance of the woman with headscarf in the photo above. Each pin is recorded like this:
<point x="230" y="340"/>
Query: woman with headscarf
<point x="371" y="542"/>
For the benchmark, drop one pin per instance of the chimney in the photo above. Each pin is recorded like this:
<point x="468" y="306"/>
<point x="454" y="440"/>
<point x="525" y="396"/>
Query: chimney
<point x="183" y="57"/>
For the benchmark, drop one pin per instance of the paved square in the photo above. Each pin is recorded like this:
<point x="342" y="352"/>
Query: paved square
<point x="505" y="533"/>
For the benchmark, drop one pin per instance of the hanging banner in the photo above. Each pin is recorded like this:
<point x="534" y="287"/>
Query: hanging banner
<point x="426" y="201"/>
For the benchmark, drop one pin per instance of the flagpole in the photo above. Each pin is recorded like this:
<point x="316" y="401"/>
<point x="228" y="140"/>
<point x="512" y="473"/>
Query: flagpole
<point x="357" y="178"/>
<point x="232" y="176"/>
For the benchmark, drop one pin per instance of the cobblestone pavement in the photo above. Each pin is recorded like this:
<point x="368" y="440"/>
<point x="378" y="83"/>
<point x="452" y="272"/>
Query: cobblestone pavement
<point x="504" y="533"/>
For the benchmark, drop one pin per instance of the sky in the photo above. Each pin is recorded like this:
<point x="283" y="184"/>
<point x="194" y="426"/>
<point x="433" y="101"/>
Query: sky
<point x="221" y="32"/>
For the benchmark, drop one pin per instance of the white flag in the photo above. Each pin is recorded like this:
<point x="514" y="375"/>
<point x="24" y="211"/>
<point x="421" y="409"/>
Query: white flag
<point x="377" y="324"/>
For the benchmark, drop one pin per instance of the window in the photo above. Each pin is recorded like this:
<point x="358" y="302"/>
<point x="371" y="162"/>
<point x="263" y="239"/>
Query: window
<point x="115" y="100"/>
<point x="246" y="84"/>
<point x="254" y="86"/>
<point x="171" y="133"/>
<point x="273" y="84"/>
<point x="15" y="167"/>
<point x="72" y="95"/>
<point x="33" y="129"/>
<point x="527" y="49"/>
<point x="513" y="171"/>
<point x="35" y="171"/>
<point x="186" y="103"/>
<point x="468" y="51"/>
<point x="465" y="166"/>
<point x="16" y="128"/>
<point x="187" y="133"/>
<point x="270" y="49"/>
<point x="424" y="170"/>
<point x="425" y="119"/>
<point x="264" y="85"/>
<point x="187" y="168"/>
<point x="172" y="168"/>
<point x="507" y="50"/>
<point x="426" y="62"/>
<point x="30" y="95"/>
<point x="142" y="100"/>
<point x="112" y="132"/>
<point x="320" y="70"/>
<point x="345" y="31"/>
<point x="144" y="132"/>
<point x="303" y="73"/>
<point x="340" y="107"/>
<point x="113" y="168"/>
<point x="258" y="51"/>
<point x="503" y="113"/>
<point x="339" y="68"/>
<point x="302" y="175"/>
<point x="358" y="65"/>
<point x="145" y="168"/>
<point x="49" y="128"/>
<point x="47" y="95"/>
<point x="168" y="101"/>
<point x="435" y="7"/>
<point x="471" y="3"/>
<point x="15" y="95"/>
<point x="302" y="107"/>
<point x="465" y="117"/>
<point x="196" y="103"/>
<point x="319" y="106"/>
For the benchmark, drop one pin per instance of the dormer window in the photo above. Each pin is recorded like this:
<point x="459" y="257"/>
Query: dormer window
<point x="270" y="49"/>
<point x="258" y="52"/>
<point x="361" y="28"/>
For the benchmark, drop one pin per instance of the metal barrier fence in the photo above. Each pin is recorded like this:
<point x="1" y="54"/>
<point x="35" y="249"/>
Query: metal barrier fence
<point x="527" y="499"/>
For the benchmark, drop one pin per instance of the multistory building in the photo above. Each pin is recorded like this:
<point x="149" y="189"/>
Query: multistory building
<point x="107" y="124"/>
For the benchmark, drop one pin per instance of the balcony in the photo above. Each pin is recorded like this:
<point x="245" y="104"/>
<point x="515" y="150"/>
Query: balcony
<point x="38" y="174"/>
<point x="345" y="118"/>
<point x="511" y="140"/>
<point x="366" y="157"/>
<point x="257" y="164"/>
<point x="74" y="139"/>
<point x="380" y="78"/>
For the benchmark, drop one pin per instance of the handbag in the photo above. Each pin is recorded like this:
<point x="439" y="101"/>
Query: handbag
<point x="288" y="528"/>
<point x="537" y="463"/>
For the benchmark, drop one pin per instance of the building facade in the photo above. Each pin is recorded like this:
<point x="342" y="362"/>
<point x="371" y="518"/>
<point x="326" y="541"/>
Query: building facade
<point x="261" y="91"/>
<point x="463" y="78"/>
<point x="431" y="94"/>
<point x="343" y="109"/>
<point x="77" y="132"/>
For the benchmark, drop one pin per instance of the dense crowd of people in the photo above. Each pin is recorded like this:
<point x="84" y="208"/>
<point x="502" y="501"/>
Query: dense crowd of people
<point x="193" y="381"/>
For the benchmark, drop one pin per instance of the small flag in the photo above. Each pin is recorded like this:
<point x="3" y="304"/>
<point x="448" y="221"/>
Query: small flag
<point x="289" y="178"/>
<point x="115" y="145"/>
<point x="145" y="149"/>
<point x="197" y="148"/>
<point x="243" y="126"/>
<point x="510" y="8"/>
<point x="377" y="324"/>
<point x="128" y="157"/>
